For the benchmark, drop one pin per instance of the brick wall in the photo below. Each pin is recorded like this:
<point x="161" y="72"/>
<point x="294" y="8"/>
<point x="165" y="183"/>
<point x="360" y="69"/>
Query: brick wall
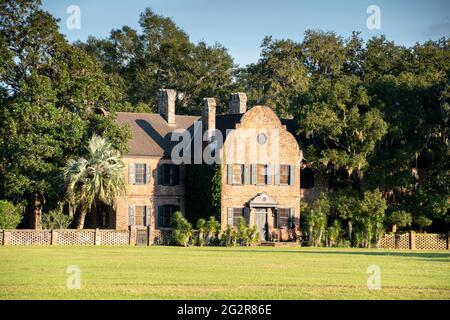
<point x="262" y="119"/>
<point x="150" y="194"/>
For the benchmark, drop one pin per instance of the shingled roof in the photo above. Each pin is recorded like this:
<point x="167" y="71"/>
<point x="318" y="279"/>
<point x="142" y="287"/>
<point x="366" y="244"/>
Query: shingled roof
<point x="151" y="134"/>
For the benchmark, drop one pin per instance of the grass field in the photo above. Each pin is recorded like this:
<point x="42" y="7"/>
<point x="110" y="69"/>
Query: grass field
<point x="221" y="273"/>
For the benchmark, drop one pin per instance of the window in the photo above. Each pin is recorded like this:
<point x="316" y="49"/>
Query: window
<point x="168" y="174"/>
<point x="261" y="174"/>
<point x="139" y="173"/>
<point x="285" y="174"/>
<point x="165" y="215"/>
<point x="139" y="215"/>
<point x="238" y="173"/>
<point x="283" y="219"/>
<point x="237" y="213"/>
<point x="307" y="178"/>
<point x="262" y="138"/>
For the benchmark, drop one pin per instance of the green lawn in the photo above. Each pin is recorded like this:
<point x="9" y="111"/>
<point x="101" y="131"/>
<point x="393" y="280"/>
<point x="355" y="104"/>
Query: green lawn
<point x="221" y="273"/>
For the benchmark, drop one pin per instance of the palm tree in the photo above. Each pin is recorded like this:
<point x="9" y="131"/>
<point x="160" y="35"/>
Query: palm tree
<point x="95" y="179"/>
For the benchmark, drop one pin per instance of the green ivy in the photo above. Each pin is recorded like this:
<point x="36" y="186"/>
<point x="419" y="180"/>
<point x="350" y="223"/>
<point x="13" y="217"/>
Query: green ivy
<point x="203" y="191"/>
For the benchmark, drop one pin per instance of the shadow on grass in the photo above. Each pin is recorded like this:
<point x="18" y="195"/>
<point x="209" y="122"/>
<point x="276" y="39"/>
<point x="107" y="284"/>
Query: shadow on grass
<point x="420" y="255"/>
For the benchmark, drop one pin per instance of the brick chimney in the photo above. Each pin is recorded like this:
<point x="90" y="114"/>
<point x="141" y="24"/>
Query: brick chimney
<point x="209" y="114"/>
<point x="238" y="103"/>
<point x="166" y="104"/>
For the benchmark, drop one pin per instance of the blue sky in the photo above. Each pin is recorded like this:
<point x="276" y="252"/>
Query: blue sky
<point x="241" y="25"/>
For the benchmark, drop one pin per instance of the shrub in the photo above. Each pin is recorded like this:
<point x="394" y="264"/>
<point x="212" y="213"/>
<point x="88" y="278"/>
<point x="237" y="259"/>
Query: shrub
<point x="400" y="219"/>
<point x="56" y="219"/>
<point x="253" y="235"/>
<point x="334" y="233"/>
<point x="10" y="215"/>
<point x="182" y="232"/>
<point x="212" y="231"/>
<point x="242" y="235"/>
<point x="201" y="227"/>
<point x="422" y="222"/>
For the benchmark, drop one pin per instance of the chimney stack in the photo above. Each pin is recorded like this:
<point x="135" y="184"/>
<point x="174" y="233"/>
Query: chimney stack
<point x="238" y="103"/>
<point x="209" y="114"/>
<point x="166" y="104"/>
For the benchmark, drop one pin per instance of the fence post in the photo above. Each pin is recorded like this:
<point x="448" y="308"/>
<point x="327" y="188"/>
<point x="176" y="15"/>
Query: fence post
<point x="132" y="236"/>
<point x="3" y="237"/>
<point x="448" y="240"/>
<point x="6" y="237"/>
<point x="54" y="237"/>
<point x="149" y="235"/>
<point x="412" y="240"/>
<point x="97" y="237"/>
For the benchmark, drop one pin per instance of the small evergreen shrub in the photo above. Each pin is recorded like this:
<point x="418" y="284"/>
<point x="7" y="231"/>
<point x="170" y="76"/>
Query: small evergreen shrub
<point x="10" y="215"/>
<point x="182" y="232"/>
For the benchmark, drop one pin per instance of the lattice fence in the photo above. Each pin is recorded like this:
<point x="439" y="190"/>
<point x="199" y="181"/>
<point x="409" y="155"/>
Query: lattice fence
<point x="414" y="241"/>
<point x="76" y="237"/>
<point x="162" y="237"/>
<point x="431" y="241"/>
<point x="113" y="237"/>
<point x="395" y="241"/>
<point x="30" y="237"/>
<point x="1" y="237"/>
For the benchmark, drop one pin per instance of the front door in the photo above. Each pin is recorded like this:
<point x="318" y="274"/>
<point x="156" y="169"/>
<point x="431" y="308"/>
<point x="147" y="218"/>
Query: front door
<point x="261" y="223"/>
<point x="141" y="237"/>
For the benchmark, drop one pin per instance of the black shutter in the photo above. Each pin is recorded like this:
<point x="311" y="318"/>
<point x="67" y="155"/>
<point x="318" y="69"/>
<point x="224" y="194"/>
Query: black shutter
<point x="247" y="215"/>
<point x="176" y="174"/>
<point x="161" y="174"/>
<point x="160" y="216"/>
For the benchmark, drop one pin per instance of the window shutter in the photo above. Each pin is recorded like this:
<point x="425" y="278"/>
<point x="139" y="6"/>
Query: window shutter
<point x="230" y="216"/>
<point x="291" y="218"/>
<point x="292" y="175"/>
<point x="247" y="215"/>
<point x="230" y="173"/>
<point x="176" y="174"/>
<point x="160" y="216"/>
<point x="269" y="173"/>
<point x="277" y="217"/>
<point x="161" y="174"/>
<point x="147" y="215"/>
<point x="131" y="175"/>
<point x="246" y="174"/>
<point x="131" y="221"/>
<point x="277" y="174"/>
<point x="253" y="174"/>
<point x="148" y="173"/>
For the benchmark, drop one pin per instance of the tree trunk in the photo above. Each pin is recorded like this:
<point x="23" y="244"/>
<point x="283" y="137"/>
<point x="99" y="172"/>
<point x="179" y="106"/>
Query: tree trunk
<point x="350" y="231"/>
<point x="80" y="220"/>
<point x="35" y="213"/>
<point x="394" y="228"/>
